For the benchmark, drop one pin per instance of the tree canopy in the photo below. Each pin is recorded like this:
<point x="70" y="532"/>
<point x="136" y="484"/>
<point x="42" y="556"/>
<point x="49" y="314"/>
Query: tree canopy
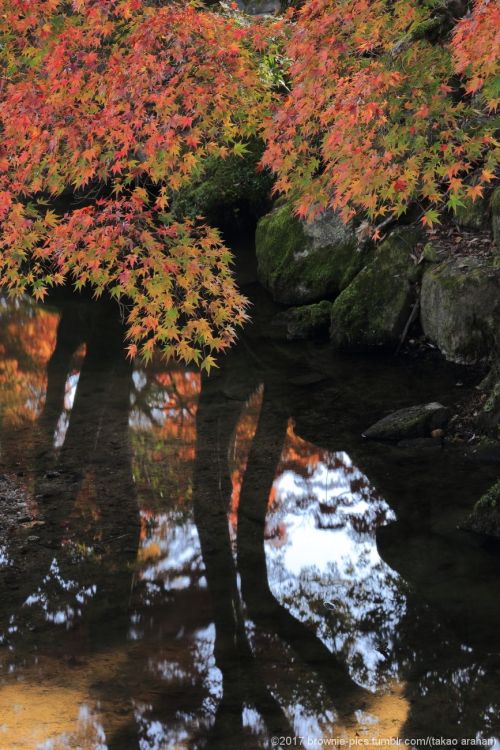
<point x="107" y="107"/>
<point x="380" y="113"/>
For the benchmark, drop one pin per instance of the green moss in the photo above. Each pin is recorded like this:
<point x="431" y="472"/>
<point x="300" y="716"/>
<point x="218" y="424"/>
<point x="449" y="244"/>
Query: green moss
<point x="495" y="216"/>
<point x="473" y="214"/>
<point x="300" y="267"/>
<point x="430" y="253"/>
<point x="460" y="309"/>
<point x="485" y="516"/>
<point x="279" y="237"/>
<point x="489" y="417"/>
<point x="225" y="186"/>
<point x="304" y="322"/>
<point x="490" y="499"/>
<point x="373" y="309"/>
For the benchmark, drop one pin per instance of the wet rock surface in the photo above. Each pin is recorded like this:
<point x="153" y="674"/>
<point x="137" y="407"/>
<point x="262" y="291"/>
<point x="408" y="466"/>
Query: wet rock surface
<point x="460" y="308"/>
<point x="413" y="422"/>
<point x="485" y="516"/>
<point x="301" y="262"/>
<point x="305" y="322"/>
<point x="372" y="311"/>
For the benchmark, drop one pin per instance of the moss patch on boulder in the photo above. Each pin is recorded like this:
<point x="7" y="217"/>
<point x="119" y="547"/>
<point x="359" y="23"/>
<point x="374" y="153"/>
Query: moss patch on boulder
<point x="301" y="262"/>
<point x="489" y="416"/>
<point x="485" y="516"/>
<point x="413" y="422"/>
<point x="473" y="214"/>
<point x="460" y="308"/>
<point x="373" y="310"/>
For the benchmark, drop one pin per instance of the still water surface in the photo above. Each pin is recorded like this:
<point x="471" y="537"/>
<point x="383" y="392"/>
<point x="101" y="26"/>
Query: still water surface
<point x="198" y="562"/>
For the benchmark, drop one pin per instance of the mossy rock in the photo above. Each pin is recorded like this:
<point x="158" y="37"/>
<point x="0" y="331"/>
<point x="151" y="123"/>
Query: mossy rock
<point x="301" y="262"/>
<point x="305" y="322"/>
<point x="495" y="217"/>
<point x="485" y="516"/>
<point x="473" y="214"/>
<point x="412" y="422"/>
<point x="225" y="187"/>
<point x="460" y="309"/>
<point x="373" y="310"/>
<point x="489" y="417"/>
<point x="430" y="253"/>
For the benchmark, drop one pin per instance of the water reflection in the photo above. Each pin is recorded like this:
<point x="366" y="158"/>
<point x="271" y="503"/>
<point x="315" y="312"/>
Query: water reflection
<point x="184" y="570"/>
<point x="322" y="554"/>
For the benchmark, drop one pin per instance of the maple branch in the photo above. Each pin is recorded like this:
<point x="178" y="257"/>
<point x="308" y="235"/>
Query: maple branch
<point x="435" y="27"/>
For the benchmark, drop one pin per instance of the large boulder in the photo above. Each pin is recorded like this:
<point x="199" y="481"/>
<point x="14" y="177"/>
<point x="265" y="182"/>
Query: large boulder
<point x="412" y="422"/>
<point x="301" y="262"/>
<point x="485" y="516"/>
<point x="373" y="310"/>
<point x="460" y="308"/>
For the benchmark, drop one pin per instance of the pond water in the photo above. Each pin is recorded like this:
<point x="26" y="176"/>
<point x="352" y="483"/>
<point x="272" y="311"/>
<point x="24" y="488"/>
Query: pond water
<point x="191" y="562"/>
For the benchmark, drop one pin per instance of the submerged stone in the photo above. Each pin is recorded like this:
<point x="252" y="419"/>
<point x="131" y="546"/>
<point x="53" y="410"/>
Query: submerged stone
<point x="373" y="310"/>
<point x="301" y="262"/>
<point x="305" y="322"/>
<point x="413" y="422"/>
<point x="460" y="308"/>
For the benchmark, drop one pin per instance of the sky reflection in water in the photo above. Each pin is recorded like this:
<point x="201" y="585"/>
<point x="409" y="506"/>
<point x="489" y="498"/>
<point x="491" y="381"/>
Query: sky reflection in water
<point x="161" y="676"/>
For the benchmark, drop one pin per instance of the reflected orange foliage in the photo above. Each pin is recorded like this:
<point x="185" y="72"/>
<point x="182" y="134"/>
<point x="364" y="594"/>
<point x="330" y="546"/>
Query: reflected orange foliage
<point x="163" y="434"/>
<point x="27" y="340"/>
<point x="239" y="449"/>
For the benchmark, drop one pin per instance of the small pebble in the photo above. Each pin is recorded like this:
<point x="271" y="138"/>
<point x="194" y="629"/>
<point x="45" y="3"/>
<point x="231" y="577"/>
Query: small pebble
<point x="437" y="433"/>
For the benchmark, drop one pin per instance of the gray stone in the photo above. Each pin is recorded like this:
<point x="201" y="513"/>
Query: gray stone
<point x="413" y="422"/>
<point x="460" y="309"/>
<point x="301" y="262"/>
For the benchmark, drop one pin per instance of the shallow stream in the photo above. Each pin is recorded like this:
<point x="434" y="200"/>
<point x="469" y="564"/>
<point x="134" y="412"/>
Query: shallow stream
<point x="191" y="562"/>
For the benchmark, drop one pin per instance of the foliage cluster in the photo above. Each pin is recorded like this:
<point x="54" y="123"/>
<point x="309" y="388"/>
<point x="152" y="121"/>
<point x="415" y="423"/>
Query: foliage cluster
<point x="381" y="114"/>
<point x="120" y="102"/>
<point x="108" y="108"/>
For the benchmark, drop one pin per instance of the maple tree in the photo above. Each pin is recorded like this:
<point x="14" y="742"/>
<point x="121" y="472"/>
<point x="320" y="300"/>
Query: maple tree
<point x="108" y="108"/>
<point x="120" y="103"/>
<point x="375" y="117"/>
